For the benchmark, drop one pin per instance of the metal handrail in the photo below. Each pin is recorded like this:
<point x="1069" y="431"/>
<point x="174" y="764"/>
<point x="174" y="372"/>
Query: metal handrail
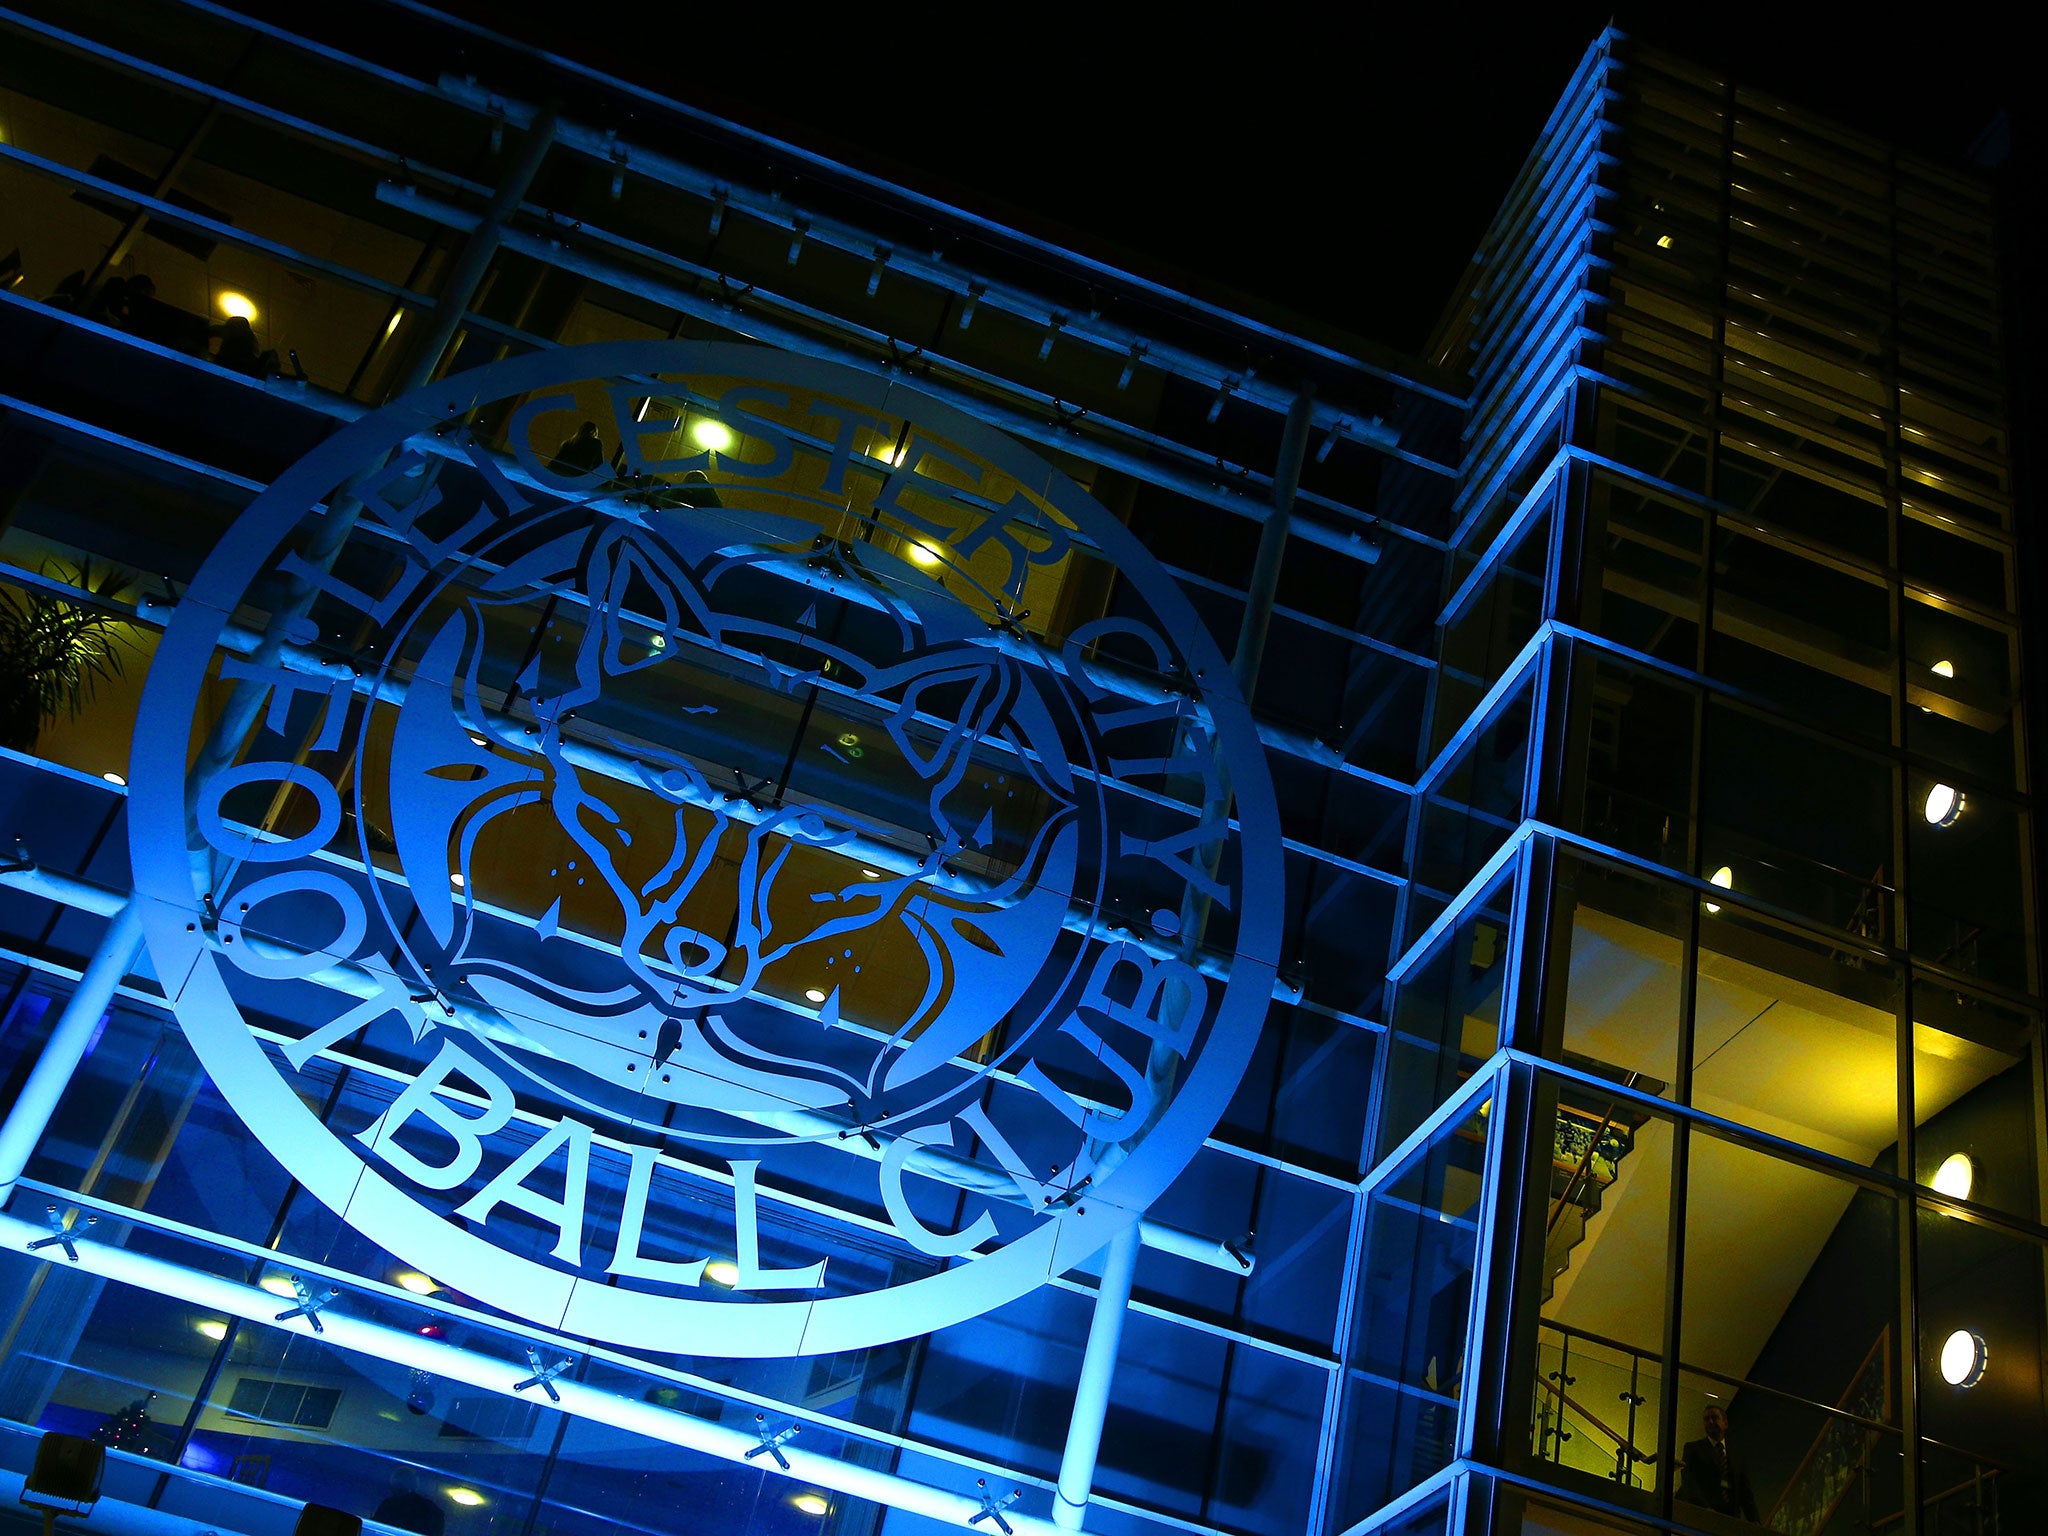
<point x="1621" y="1441"/>
<point x="1731" y="1381"/>
<point x="1863" y="1465"/>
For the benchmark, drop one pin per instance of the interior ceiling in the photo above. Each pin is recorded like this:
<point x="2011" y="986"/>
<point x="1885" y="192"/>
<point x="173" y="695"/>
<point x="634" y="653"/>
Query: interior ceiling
<point x="1772" y="1052"/>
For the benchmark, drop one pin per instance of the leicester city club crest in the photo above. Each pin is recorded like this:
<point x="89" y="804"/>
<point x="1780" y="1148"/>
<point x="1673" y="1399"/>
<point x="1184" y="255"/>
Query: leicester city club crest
<point x="784" y="867"/>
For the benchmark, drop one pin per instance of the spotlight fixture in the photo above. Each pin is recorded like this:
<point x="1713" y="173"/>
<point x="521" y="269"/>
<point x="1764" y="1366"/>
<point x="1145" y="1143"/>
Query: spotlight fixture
<point x="1724" y="877"/>
<point x="214" y="1329"/>
<point x="1963" y="1358"/>
<point x="814" y="995"/>
<point x="1955" y="1176"/>
<point x="1943" y="669"/>
<point x="278" y="1284"/>
<point x="468" y="1498"/>
<point x="113" y="778"/>
<point x="1944" y="805"/>
<point x="714" y="435"/>
<point x="722" y="1272"/>
<point x="870" y="874"/>
<point x="923" y="554"/>
<point x="412" y="1280"/>
<point x="236" y="306"/>
<point x="812" y="1504"/>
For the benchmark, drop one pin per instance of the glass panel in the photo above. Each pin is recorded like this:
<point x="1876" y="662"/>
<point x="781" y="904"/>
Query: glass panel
<point x="1983" y="1340"/>
<point x="1447" y="1018"/>
<point x="1795" y="1036"/>
<point x="1934" y="555"/>
<point x="1828" y="509"/>
<point x="1404" y="1367"/>
<point x="1646" y="548"/>
<point x="1968" y="904"/>
<point x="1605" y="1234"/>
<point x="1472" y="808"/>
<point x="1617" y="973"/>
<point x="1977" y="1099"/>
<point x="1962" y="681"/>
<point x="1797" y="821"/>
<point x="1638" y="729"/>
<point x="1789" y="1333"/>
<point x="1803" y="632"/>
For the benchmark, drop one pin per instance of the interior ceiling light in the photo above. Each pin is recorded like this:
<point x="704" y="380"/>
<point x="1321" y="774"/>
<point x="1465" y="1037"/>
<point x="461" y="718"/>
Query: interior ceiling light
<point x="715" y="435"/>
<point x="812" y="1504"/>
<point x="1944" y="805"/>
<point x="924" y="554"/>
<point x="1962" y="1359"/>
<point x="214" y="1329"/>
<point x="1724" y="877"/>
<point x="1664" y="242"/>
<point x="277" y="1284"/>
<point x="113" y="778"/>
<point x="412" y="1280"/>
<point x="468" y="1498"/>
<point x="1943" y="669"/>
<point x="1955" y="1175"/>
<point x="814" y="994"/>
<point x="722" y="1272"/>
<point x="236" y="306"/>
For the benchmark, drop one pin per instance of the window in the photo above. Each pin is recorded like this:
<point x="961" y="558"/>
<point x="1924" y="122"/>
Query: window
<point x="289" y="1403"/>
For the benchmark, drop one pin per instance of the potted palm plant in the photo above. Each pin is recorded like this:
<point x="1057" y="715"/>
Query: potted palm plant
<point x="56" y="651"/>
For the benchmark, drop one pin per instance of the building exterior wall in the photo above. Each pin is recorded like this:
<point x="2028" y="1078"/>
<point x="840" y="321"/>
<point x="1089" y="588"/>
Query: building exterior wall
<point x="1641" y="697"/>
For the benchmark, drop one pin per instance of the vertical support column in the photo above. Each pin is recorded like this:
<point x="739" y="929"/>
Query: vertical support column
<point x="1265" y="582"/>
<point x="65" y="1049"/>
<point x="475" y="257"/>
<point x="1098" y="1368"/>
<point x="138" y="221"/>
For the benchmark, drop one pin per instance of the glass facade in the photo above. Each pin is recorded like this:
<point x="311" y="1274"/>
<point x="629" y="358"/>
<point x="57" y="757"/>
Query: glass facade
<point x="1656" y="1032"/>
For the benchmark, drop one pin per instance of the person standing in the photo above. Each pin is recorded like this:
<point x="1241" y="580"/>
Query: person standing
<point x="1712" y="1475"/>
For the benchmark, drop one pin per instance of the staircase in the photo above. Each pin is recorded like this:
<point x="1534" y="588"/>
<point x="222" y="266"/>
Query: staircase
<point x="1587" y="1147"/>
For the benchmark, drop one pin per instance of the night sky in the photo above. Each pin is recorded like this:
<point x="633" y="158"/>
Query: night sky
<point x="1339" y="163"/>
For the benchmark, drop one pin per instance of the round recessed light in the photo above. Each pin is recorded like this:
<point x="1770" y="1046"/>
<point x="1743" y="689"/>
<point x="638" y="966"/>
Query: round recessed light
<point x="715" y="435"/>
<point x="214" y="1329"/>
<point x="277" y="1284"/>
<point x="812" y="1504"/>
<point x="870" y="874"/>
<point x="236" y="306"/>
<point x="722" y="1272"/>
<point x="113" y="778"/>
<point x="412" y="1280"/>
<point x="1724" y="877"/>
<point x="923" y="554"/>
<point x="455" y="879"/>
<point x="1943" y="669"/>
<point x="1962" y="1359"/>
<point x="468" y="1498"/>
<point x="1944" y="805"/>
<point x="814" y="994"/>
<point x="1955" y="1175"/>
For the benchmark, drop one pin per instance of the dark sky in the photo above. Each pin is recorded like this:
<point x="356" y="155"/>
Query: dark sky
<point x="1339" y="162"/>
